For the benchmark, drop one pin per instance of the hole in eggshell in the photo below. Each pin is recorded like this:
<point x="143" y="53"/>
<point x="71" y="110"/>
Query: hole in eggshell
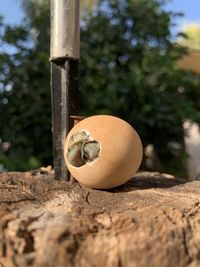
<point x="82" y="149"/>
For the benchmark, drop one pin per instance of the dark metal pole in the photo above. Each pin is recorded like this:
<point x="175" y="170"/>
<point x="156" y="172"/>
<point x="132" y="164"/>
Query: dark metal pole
<point x="65" y="53"/>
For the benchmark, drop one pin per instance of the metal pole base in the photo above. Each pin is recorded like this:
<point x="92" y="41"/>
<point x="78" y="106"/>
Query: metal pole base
<point x="64" y="84"/>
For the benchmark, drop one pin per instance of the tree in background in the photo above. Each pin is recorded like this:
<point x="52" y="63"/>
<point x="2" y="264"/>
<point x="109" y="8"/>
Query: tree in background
<point x="128" y="68"/>
<point x="25" y="106"/>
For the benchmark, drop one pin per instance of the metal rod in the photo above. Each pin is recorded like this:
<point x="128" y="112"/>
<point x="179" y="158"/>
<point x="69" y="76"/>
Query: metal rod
<point x="65" y="29"/>
<point x="64" y="75"/>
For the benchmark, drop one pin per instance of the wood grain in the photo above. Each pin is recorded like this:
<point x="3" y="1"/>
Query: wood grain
<point x="152" y="221"/>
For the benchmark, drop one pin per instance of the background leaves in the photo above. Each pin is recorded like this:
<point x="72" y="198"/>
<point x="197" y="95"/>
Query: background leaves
<point x="128" y="68"/>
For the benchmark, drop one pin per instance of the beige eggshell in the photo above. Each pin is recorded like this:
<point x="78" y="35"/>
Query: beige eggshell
<point x="120" y="152"/>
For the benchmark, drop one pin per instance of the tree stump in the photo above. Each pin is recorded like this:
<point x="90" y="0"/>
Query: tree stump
<point x="151" y="221"/>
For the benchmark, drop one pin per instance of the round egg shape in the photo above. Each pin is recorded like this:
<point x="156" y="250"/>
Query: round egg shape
<point x="102" y="152"/>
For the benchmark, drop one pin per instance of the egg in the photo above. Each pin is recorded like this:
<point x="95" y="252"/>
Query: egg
<point x="102" y="151"/>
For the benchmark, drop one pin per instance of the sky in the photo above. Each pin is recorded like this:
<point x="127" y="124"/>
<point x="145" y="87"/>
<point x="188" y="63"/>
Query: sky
<point x="190" y="9"/>
<point x="11" y="11"/>
<point x="13" y="14"/>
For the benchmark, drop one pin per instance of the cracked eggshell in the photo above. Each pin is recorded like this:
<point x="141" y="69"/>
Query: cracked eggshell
<point x="120" y="152"/>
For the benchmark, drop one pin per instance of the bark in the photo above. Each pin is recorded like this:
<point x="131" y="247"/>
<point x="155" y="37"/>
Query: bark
<point x="152" y="221"/>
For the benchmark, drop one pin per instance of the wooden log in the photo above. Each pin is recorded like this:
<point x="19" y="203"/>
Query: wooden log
<point x="152" y="221"/>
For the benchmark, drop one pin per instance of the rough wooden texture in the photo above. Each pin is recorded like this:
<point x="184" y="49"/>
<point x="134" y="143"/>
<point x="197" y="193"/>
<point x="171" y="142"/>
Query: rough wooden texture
<point x="152" y="221"/>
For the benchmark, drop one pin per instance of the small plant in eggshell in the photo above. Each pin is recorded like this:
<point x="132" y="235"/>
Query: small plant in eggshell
<point x="103" y="152"/>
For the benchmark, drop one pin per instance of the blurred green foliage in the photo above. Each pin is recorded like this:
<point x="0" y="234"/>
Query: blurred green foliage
<point x="25" y="104"/>
<point x="128" y="68"/>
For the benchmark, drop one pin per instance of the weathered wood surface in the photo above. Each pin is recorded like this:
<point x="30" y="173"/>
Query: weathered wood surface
<point x="152" y="221"/>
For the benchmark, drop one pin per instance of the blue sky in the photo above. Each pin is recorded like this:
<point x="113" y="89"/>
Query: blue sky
<point x="12" y="12"/>
<point x="190" y="9"/>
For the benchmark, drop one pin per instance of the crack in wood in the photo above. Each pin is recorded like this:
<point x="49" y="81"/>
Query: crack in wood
<point x="83" y="227"/>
